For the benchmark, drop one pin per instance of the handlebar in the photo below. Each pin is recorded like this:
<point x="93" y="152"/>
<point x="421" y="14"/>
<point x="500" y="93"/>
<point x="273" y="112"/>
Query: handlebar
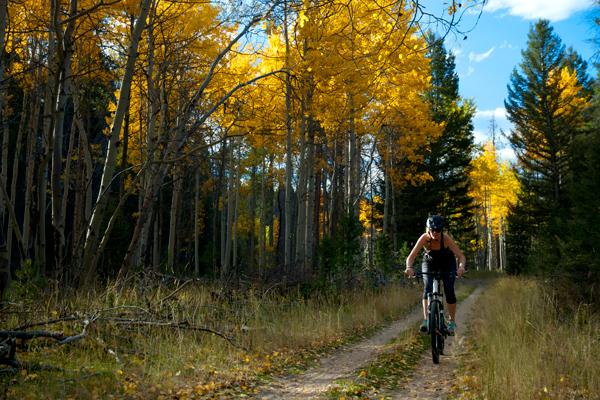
<point x="438" y="274"/>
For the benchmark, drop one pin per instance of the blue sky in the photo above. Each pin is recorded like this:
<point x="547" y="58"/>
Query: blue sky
<point x="485" y="60"/>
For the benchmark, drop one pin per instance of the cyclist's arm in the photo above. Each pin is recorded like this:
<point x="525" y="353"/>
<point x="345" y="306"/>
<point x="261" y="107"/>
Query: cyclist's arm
<point x="413" y="253"/>
<point x="457" y="252"/>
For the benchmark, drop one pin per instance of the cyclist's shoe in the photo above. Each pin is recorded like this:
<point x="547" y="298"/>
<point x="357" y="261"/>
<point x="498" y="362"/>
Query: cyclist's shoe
<point x="423" y="327"/>
<point x="451" y="328"/>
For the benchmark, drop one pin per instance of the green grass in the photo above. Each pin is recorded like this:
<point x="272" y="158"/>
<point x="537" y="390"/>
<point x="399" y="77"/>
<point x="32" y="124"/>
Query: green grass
<point x="273" y="334"/>
<point x="527" y="345"/>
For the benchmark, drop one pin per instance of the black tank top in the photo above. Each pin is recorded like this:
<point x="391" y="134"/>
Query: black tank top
<point x="439" y="260"/>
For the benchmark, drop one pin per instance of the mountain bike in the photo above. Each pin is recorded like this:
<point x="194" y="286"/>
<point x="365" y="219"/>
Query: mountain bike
<point x="437" y="321"/>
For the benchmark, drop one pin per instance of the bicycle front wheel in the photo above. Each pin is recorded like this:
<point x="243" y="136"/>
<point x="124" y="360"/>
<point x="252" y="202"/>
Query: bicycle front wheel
<point x="435" y="332"/>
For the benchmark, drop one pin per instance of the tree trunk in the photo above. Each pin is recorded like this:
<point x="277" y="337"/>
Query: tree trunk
<point x="5" y="133"/>
<point x="252" y="213"/>
<point x="15" y="171"/>
<point x="263" y="219"/>
<point x="301" y="206"/>
<point x="229" y="219"/>
<point x="59" y="189"/>
<point x="236" y="207"/>
<point x="387" y="184"/>
<point x="289" y="225"/>
<point x="353" y="162"/>
<point x="31" y="157"/>
<point x="156" y="234"/>
<point x="310" y="197"/>
<point x="111" y="154"/>
<point x="175" y="201"/>
<point x="197" y="216"/>
<point x="152" y="112"/>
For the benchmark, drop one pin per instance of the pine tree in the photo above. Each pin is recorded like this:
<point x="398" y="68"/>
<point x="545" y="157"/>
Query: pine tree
<point x="546" y="99"/>
<point x="447" y="160"/>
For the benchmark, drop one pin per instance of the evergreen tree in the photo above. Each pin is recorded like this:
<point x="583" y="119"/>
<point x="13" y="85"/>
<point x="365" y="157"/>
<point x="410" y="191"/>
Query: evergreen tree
<point x="579" y="236"/>
<point x="446" y="161"/>
<point x="546" y="99"/>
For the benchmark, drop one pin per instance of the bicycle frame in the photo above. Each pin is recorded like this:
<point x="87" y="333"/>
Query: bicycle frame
<point x="437" y="321"/>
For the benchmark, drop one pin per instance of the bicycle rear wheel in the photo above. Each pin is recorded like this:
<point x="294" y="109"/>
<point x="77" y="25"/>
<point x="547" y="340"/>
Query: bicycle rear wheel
<point x="435" y="332"/>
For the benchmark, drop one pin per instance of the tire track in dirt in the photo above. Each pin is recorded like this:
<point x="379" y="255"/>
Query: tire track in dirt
<point x="316" y="381"/>
<point x="431" y="381"/>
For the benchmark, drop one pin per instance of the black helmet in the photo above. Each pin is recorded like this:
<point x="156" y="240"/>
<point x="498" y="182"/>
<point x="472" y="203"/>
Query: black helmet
<point x="435" y="222"/>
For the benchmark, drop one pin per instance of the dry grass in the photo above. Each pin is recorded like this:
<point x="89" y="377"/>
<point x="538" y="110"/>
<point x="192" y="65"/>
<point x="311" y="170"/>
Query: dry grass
<point x="271" y="332"/>
<point x="530" y="347"/>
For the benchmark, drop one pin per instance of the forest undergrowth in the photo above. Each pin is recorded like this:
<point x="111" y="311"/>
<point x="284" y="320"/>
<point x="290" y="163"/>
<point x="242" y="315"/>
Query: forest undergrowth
<point x="183" y="339"/>
<point x="527" y="341"/>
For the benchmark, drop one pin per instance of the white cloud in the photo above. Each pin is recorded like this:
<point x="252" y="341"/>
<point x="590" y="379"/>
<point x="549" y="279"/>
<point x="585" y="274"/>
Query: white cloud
<point x="507" y="45"/>
<point x="499" y="113"/>
<point x="456" y="51"/>
<point x="478" y="57"/>
<point x="507" y="154"/>
<point x="479" y="136"/>
<point x="470" y="71"/>
<point x="554" y="10"/>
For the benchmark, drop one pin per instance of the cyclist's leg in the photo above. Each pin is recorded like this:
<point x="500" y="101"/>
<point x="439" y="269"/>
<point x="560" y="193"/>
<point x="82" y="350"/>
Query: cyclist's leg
<point x="427" y="288"/>
<point x="449" y="280"/>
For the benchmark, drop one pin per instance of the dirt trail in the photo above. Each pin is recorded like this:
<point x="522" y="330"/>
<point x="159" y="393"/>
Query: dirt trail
<point x="428" y="381"/>
<point x="343" y="363"/>
<point x="431" y="381"/>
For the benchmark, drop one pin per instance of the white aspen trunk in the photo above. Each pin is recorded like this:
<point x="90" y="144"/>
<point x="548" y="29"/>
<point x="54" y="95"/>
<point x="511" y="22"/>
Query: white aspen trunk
<point x="152" y="110"/>
<point x="289" y="225"/>
<point x="221" y="199"/>
<point x="197" y="217"/>
<point x="63" y="65"/>
<point x="156" y="240"/>
<point x="488" y="227"/>
<point x="229" y="222"/>
<point x="49" y="93"/>
<point x="5" y="135"/>
<point x="111" y="154"/>
<point x="502" y="247"/>
<point x="273" y="195"/>
<point x="5" y="148"/>
<point x="301" y="192"/>
<point x="236" y="204"/>
<point x="11" y="215"/>
<point x="310" y="196"/>
<point x="29" y="172"/>
<point x="386" y="177"/>
<point x="252" y="212"/>
<point x="83" y="192"/>
<point x="353" y="162"/>
<point x="263" y="218"/>
<point x="67" y="179"/>
<point x="372" y="225"/>
<point x="175" y="201"/>
<point x="15" y="172"/>
<point x="393" y="227"/>
<point x="337" y="180"/>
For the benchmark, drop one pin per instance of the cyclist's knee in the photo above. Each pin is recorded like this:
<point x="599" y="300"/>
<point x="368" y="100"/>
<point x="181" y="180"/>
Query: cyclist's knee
<point x="451" y="297"/>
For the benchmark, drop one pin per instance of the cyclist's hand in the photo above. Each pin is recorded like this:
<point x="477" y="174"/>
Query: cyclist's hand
<point x="409" y="272"/>
<point x="460" y="271"/>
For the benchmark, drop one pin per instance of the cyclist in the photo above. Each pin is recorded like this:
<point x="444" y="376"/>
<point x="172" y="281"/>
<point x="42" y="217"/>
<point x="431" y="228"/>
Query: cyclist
<point x="440" y="255"/>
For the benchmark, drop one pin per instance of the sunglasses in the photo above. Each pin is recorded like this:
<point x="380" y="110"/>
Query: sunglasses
<point x="436" y="230"/>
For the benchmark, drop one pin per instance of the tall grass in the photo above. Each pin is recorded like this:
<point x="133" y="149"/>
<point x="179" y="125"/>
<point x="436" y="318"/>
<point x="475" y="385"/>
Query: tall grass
<point x="530" y="345"/>
<point x="269" y="330"/>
